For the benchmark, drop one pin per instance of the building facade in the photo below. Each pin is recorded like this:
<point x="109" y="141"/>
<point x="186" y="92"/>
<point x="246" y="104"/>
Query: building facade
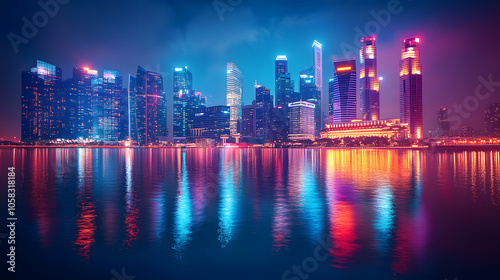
<point x="492" y="120"/>
<point x="302" y="120"/>
<point x="211" y="122"/>
<point x="361" y="128"/>
<point x="263" y="105"/>
<point x="151" y="114"/>
<point x="43" y="104"/>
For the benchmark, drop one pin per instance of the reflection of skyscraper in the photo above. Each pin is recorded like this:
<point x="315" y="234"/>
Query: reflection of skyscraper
<point x="42" y="103"/>
<point x="234" y="91"/>
<point x="150" y="107"/>
<point x="344" y="90"/>
<point x="443" y="122"/>
<point x="410" y="87"/>
<point x="369" y="82"/>
<point x="492" y="120"/>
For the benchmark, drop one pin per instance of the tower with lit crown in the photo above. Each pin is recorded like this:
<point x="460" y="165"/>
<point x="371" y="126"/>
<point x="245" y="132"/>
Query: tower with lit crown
<point x="410" y="87"/>
<point x="369" y="83"/>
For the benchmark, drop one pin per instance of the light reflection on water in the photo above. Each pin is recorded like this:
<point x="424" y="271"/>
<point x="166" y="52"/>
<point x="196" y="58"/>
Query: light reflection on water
<point x="376" y="205"/>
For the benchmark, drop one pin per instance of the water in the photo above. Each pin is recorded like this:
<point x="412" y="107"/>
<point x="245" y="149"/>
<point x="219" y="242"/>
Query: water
<point x="254" y="213"/>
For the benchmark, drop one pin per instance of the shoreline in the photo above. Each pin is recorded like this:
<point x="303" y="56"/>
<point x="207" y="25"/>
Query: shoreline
<point x="465" y="147"/>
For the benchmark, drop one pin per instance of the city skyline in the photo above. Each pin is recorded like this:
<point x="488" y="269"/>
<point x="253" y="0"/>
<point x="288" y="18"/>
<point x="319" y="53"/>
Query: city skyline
<point x="264" y="36"/>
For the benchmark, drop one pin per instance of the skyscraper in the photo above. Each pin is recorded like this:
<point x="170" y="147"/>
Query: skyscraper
<point x="344" y="90"/>
<point x="331" y="86"/>
<point x="302" y="123"/>
<point x="248" y="120"/>
<point x="410" y="87"/>
<point x="183" y="85"/>
<point x="132" y="108"/>
<point x="492" y="120"/>
<point x="318" y="79"/>
<point x="263" y="105"/>
<point x="309" y="92"/>
<point x="82" y="79"/>
<point x="284" y="90"/>
<point x="369" y="82"/>
<point x="150" y="107"/>
<point x="234" y="92"/>
<point x="193" y="102"/>
<point x="106" y="106"/>
<point x="280" y="68"/>
<point x="183" y="79"/>
<point x="443" y="122"/>
<point x="42" y="104"/>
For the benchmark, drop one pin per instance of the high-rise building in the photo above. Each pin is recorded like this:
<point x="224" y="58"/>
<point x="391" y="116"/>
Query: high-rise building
<point x="150" y="107"/>
<point x="318" y="79"/>
<point x="42" y="104"/>
<point x="284" y="90"/>
<point x="211" y="122"/>
<point x="263" y="105"/>
<point x="106" y="106"/>
<point x="183" y="79"/>
<point x="331" y="86"/>
<point x="410" y="87"/>
<point x="280" y="68"/>
<point x="344" y="90"/>
<point x="492" y="120"/>
<point x="183" y="85"/>
<point x="82" y="79"/>
<point x="309" y="92"/>
<point x="132" y="109"/>
<point x="369" y="91"/>
<point x="234" y="92"/>
<point x="278" y="124"/>
<point x="193" y="102"/>
<point x="302" y="123"/>
<point x="248" y="120"/>
<point x="71" y="120"/>
<point x="443" y="122"/>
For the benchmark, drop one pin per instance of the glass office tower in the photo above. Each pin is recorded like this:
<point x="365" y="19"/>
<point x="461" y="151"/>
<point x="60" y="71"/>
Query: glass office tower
<point x="344" y="90"/>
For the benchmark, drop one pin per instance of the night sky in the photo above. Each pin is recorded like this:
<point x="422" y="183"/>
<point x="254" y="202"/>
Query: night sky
<point x="459" y="43"/>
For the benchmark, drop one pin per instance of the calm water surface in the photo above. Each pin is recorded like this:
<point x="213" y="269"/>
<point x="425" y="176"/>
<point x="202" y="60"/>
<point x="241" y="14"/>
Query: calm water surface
<point x="254" y="213"/>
